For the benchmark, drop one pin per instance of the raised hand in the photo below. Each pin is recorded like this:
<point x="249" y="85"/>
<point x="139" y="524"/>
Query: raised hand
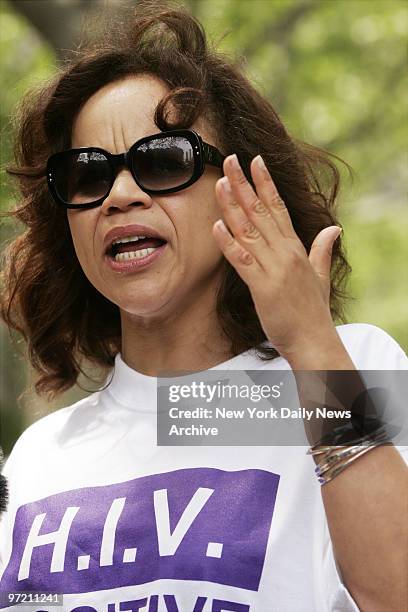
<point x="290" y="289"/>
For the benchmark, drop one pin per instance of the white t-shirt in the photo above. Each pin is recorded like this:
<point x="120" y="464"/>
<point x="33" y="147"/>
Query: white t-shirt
<point x="100" y="513"/>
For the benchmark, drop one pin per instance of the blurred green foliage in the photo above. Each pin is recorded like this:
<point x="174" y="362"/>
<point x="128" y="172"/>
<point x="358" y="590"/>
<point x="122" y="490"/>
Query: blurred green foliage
<point x="335" y="71"/>
<point x="25" y="59"/>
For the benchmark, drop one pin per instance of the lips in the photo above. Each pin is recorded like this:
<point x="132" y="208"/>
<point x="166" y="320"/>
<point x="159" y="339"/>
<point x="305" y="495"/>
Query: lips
<point x="124" y="231"/>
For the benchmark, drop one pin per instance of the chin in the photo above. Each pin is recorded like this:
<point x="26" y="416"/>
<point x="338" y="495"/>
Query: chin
<point x="144" y="306"/>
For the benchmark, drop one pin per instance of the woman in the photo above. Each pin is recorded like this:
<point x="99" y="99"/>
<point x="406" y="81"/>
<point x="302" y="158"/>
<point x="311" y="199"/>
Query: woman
<point x="125" y="262"/>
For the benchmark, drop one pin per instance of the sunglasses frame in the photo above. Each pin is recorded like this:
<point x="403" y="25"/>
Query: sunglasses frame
<point x="204" y="153"/>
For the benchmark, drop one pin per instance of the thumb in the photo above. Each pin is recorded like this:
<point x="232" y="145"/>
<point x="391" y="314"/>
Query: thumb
<point x="320" y="256"/>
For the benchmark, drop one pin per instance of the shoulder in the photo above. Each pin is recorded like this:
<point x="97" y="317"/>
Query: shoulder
<point x="371" y="347"/>
<point x="46" y="432"/>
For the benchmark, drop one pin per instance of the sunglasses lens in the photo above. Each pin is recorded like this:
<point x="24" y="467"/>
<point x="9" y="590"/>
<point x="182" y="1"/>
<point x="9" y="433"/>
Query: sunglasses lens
<point x="81" y="178"/>
<point x="164" y="163"/>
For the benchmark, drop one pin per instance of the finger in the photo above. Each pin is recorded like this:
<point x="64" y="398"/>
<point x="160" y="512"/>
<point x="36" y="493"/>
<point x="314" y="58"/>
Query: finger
<point x="243" y="262"/>
<point x="240" y="226"/>
<point x="233" y="213"/>
<point x="320" y="256"/>
<point x="268" y="193"/>
<point x="247" y="198"/>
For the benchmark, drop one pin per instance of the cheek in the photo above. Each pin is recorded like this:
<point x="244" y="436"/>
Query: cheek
<point x="200" y="247"/>
<point x="82" y="238"/>
<point x="193" y="220"/>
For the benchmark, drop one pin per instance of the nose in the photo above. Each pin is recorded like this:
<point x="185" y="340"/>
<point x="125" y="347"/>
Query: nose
<point x="125" y="192"/>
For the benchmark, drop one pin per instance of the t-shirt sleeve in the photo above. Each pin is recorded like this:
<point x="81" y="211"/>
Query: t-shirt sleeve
<point x="338" y="597"/>
<point x="24" y="470"/>
<point x="372" y="349"/>
<point x="6" y="518"/>
<point x="18" y="463"/>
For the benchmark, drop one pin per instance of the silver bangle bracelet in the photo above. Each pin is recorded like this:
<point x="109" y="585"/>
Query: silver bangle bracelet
<point x="335" y="471"/>
<point x="335" y="456"/>
<point x="318" y="448"/>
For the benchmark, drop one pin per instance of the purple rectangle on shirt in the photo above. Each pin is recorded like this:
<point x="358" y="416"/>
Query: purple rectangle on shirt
<point x="190" y="524"/>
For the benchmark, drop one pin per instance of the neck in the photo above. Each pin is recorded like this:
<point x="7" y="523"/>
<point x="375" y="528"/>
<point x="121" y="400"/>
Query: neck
<point x="186" y="340"/>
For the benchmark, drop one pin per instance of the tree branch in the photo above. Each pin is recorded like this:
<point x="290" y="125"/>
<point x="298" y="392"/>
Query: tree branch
<point x="59" y="21"/>
<point x="280" y="30"/>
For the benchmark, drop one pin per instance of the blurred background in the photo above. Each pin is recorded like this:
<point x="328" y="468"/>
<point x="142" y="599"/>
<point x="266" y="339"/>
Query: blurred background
<point x="336" y="73"/>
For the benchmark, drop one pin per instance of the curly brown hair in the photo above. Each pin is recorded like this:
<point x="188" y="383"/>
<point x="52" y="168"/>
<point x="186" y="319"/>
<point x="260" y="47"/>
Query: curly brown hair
<point x="61" y="316"/>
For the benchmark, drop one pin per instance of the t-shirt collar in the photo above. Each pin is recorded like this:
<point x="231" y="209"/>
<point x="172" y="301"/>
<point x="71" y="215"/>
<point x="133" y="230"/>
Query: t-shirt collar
<point x="134" y="389"/>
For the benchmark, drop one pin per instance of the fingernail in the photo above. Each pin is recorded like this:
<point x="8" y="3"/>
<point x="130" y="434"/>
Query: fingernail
<point x="261" y="164"/>
<point x="225" y="185"/>
<point x="221" y="225"/>
<point x="339" y="232"/>
<point x="234" y="160"/>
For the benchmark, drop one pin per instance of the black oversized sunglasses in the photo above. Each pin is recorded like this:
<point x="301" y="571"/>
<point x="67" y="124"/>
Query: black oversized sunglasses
<point x="160" y="163"/>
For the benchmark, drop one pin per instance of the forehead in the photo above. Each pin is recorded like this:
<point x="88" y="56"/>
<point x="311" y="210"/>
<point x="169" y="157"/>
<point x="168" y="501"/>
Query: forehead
<point x="121" y="112"/>
<point x="118" y="110"/>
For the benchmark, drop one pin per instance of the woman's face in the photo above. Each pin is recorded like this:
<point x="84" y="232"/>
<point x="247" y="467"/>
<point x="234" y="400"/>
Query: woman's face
<point x="190" y="264"/>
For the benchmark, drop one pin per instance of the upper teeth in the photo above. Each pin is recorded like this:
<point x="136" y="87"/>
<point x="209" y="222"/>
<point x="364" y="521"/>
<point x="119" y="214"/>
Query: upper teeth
<point x="128" y="239"/>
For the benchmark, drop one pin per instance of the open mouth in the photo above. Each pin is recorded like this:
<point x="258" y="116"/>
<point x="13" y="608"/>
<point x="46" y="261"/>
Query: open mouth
<point x="134" y="247"/>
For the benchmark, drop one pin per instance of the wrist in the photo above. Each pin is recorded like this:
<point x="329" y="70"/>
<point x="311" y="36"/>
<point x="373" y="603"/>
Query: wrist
<point x="323" y="350"/>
